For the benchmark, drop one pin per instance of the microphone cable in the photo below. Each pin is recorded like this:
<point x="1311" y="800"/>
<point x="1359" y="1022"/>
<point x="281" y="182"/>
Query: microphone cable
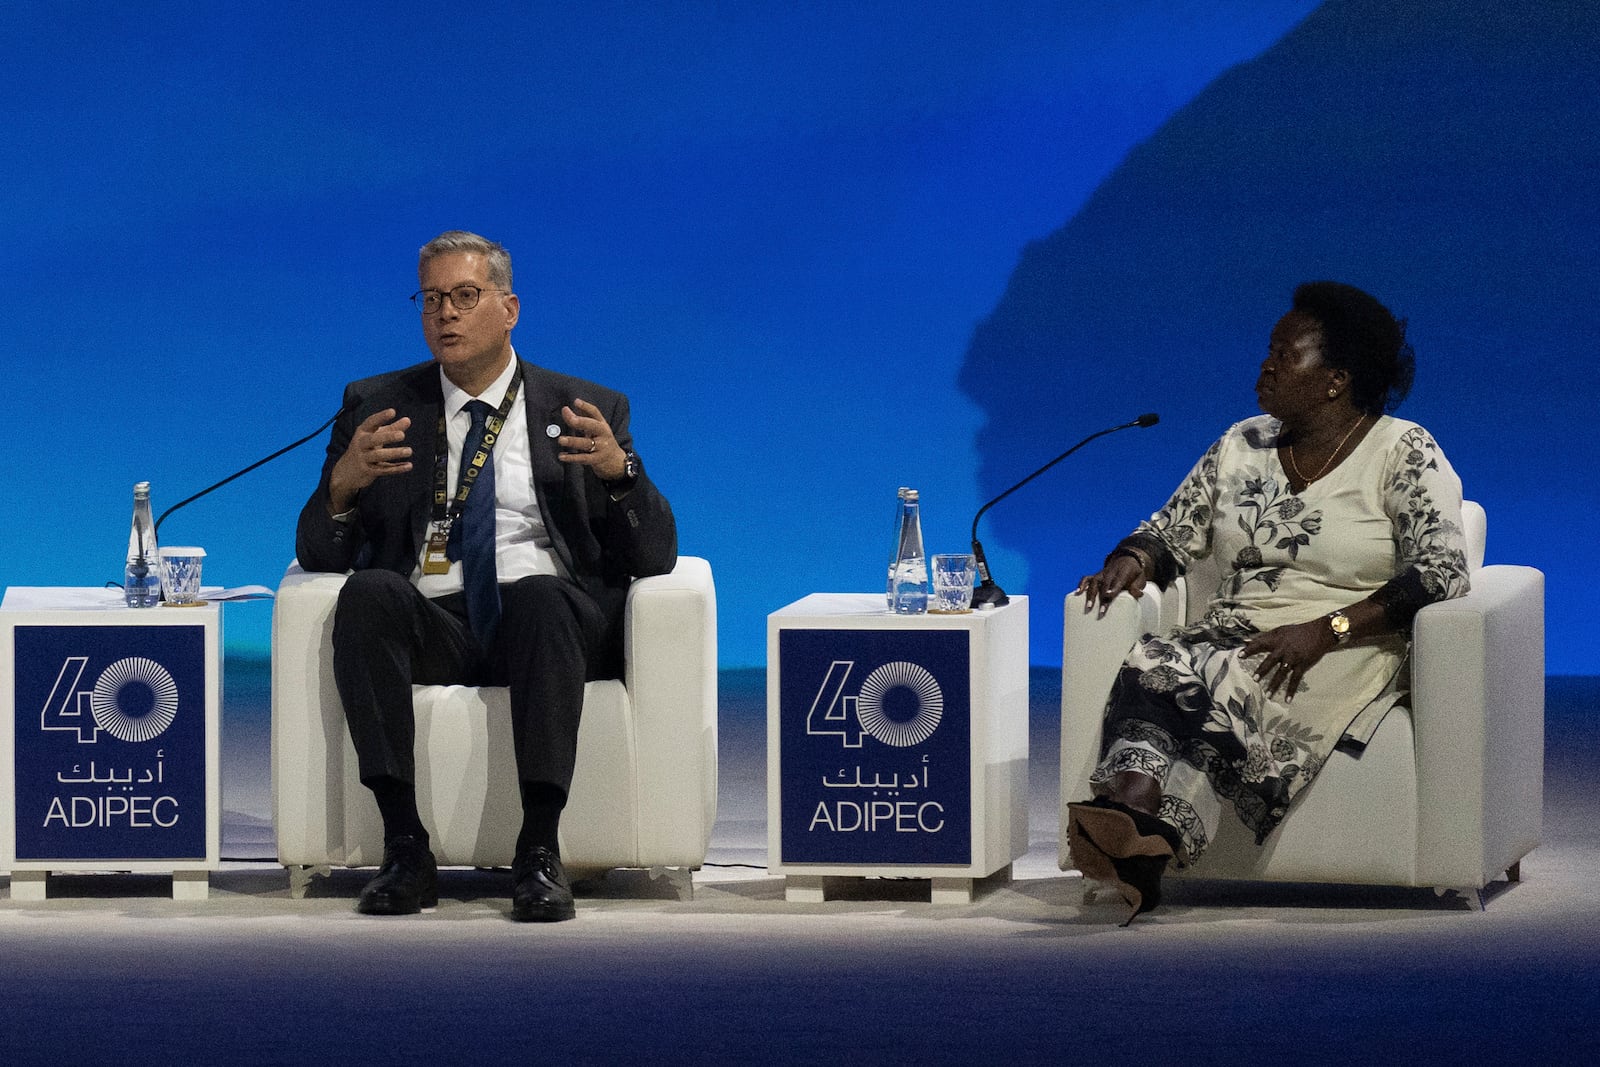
<point x="247" y="470"/>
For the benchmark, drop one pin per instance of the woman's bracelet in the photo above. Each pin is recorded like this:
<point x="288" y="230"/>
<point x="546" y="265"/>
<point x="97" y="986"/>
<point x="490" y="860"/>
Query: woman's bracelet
<point x="1147" y="565"/>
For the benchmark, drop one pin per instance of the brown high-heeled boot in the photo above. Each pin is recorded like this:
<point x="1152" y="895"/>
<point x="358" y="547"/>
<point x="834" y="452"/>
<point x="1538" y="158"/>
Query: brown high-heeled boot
<point x="1113" y="843"/>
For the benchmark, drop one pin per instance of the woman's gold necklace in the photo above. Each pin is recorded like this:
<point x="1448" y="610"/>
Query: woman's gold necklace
<point x="1334" y="455"/>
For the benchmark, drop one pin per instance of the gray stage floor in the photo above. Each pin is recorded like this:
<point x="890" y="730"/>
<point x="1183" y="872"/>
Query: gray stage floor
<point x="110" y="969"/>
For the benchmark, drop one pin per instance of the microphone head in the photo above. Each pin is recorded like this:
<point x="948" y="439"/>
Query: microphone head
<point x="1149" y="419"/>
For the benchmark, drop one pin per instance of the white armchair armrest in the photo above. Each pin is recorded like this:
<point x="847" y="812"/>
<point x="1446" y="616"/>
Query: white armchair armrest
<point x="671" y="621"/>
<point x="1478" y="708"/>
<point x="1093" y="647"/>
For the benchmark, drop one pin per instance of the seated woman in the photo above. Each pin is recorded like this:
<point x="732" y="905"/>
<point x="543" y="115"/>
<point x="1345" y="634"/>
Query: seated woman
<point x="1338" y="523"/>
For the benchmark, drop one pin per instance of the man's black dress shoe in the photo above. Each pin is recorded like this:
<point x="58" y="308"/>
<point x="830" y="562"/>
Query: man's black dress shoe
<point x="407" y="882"/>
<point x="542" y="893"/>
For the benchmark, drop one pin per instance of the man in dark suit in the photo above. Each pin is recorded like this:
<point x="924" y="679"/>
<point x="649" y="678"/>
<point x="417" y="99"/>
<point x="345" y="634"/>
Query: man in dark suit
<point x="494" y="513"/>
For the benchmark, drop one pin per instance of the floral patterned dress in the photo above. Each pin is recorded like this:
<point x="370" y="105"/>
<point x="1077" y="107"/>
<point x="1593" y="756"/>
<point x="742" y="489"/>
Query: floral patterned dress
<point x="1186" y="708"/>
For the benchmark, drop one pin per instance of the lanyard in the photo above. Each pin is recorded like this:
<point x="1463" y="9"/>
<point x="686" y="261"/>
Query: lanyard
<point x="469" y="474"/>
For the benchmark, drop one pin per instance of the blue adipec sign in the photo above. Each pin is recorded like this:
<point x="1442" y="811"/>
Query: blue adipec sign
<point x="875" y="741"/>
<point x="110" y="742"/>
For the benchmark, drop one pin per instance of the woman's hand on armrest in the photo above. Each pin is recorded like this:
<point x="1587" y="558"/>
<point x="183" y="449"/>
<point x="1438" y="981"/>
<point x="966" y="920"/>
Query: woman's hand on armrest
<point x="1122" y="572"/>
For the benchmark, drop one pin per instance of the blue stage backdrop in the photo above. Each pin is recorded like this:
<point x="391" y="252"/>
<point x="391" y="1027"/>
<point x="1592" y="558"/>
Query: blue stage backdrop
<point x="828" y="249"/>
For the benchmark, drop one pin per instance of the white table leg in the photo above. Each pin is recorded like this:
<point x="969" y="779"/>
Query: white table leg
<point x="804" y="889"/>
<point x="191" y="885"/>
<point x="951" y="891"/>
<point x="28" y="885"/>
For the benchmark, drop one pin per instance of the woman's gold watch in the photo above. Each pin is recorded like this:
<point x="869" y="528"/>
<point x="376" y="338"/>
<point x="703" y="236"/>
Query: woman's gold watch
<point x="1339" y="623"/>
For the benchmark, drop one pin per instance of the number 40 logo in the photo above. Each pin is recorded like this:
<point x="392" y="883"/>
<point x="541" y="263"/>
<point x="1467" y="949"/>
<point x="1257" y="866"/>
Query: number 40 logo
<point x="900" y="704"/>
<point x="134" y="699"/>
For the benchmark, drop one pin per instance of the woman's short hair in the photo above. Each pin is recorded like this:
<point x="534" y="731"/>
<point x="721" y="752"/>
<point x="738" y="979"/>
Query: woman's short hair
<point x="493" y="252"/>
<point x="1361" y="336"/>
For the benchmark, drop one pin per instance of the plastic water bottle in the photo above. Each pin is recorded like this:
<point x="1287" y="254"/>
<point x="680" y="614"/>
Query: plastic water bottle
<point x="909" y="579"/>
<point x="141" y="584"/>
<point x="894" y="557"/>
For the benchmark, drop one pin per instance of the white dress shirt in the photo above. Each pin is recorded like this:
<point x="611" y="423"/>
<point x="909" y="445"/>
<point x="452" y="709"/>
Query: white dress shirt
<point x="521" y="543"/>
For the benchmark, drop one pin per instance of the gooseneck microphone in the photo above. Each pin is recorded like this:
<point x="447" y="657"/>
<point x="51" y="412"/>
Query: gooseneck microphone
<point x="247" y="470"/>
<point x="988" y="594"/>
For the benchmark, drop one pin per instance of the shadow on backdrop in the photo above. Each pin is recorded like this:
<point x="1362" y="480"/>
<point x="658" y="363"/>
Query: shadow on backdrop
<point x="1436" y="154"/>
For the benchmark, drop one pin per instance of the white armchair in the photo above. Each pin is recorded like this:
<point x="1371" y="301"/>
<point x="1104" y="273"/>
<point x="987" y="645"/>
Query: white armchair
<point x="1448" y="793"/>
<point x="645" y="790"/>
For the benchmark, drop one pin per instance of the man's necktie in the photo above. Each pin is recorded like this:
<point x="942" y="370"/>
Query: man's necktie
<point x="476" y="525"/>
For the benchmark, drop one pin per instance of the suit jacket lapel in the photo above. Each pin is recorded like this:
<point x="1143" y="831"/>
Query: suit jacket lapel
<point x="543" y="405"/>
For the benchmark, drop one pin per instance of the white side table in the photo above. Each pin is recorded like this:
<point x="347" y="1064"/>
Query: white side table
<point x="897" y="745"/>
<point x="109" y="738"/>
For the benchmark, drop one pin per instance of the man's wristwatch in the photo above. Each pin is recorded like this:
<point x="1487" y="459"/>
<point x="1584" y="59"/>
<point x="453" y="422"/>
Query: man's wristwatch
<point x="1339" y="623"/>
<point x="631" y="469"/>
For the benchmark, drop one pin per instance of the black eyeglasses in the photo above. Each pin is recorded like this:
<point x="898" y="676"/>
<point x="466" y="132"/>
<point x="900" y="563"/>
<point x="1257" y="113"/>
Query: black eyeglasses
<point x="464" y="297"/>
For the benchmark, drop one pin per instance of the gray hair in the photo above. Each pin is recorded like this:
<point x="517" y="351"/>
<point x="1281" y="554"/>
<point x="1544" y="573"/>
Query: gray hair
<point x="498" y="259"/>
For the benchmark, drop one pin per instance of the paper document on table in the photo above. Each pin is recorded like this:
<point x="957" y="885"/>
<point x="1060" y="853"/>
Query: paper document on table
<point x="242" y="592"/>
